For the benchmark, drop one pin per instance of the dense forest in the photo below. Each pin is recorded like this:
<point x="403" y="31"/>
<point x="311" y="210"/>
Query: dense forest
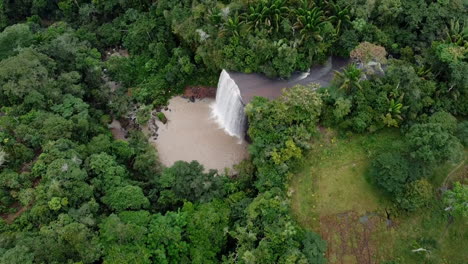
<point x="71" y="193"/>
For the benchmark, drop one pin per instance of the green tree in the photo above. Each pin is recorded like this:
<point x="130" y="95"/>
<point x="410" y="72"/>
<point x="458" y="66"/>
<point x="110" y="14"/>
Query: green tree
<point x="457" y="200"/>
<point x="349" y="79"/>
<point x="432" y="144"/>
<point x="446" y="120"/>
<point x="166" y="238"/>
<point x="417" y="194"/>
<point x="124" y="237"/>
<point x="13" y="38"/>
<point x="309" y="23"/>
<point x="24" y="74"/>
<point x="126" y="197"/>
<point x="207" y="230"/>
<point x="391" y="172"/>
<point x="187" y="181"/>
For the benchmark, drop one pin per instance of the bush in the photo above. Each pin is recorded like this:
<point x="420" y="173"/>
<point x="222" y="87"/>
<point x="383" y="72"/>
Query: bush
<point x="390" y="171"/>
<point x="417" y="194"/>
<point x="432" y="144"/>
<point x="162" y="117"/>
<point x="446" y="120"/>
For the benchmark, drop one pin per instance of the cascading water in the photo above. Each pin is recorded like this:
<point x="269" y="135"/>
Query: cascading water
<point x="229" y="108"/>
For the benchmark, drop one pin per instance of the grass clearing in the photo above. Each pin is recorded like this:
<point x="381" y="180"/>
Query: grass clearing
<point x="332" y="196"/>
<point x="333" y="180"/>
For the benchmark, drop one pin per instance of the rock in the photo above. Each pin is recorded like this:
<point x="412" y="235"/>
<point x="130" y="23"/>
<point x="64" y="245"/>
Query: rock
<point x="192" y="99"/>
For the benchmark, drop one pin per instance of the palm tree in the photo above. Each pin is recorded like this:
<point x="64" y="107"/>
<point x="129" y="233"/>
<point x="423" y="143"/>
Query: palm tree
<point x="349" y="79"/>
<point x="456" y="33"/>
<point x="393" y="116"/>
<point x="267" y="13"/>
<point x="309" y="22"/>
<point x="233" y="26"/>
<point x="339" y="16"/>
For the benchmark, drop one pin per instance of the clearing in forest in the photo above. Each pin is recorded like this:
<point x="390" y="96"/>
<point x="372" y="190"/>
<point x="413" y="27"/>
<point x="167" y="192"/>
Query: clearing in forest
<point x="332" y="196"/>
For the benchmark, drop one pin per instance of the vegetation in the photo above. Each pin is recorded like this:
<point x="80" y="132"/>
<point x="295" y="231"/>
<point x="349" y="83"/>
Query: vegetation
<point x="71" y="193"/>
<point x="333" y="195"/>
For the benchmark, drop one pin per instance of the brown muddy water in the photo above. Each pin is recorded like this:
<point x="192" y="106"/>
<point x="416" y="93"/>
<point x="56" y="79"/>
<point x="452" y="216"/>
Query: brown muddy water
<point x="191" y="133"/>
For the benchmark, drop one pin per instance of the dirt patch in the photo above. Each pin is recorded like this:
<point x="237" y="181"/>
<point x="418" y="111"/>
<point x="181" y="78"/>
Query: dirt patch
<point x="118" y="132"/>
<point x="200" y="92"/>
<point x="350" y="237"/>
<point x="10" y="218"/>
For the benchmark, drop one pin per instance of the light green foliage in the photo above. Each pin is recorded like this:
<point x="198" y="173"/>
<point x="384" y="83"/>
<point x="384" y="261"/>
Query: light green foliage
<point x="207" y="228"/>
<point x="349" y="79"/>
<point x="342" y="108"/>
<point x="457" y="200"/>
<point x="431" y="143"/>
<point x="166" y="238"/>
<point x="417" y="194"/>
<point x="3" y="157"/>
<point x="56" y="203"/>
<point x="281" y="130"/>
<point x="288" y="152"/>
<point x="270" y="235"/>
<point x="123" y="237"/>
<point x="14" y="38"/>
<point x="143" y="115"/>
<point x="126" y="197"/>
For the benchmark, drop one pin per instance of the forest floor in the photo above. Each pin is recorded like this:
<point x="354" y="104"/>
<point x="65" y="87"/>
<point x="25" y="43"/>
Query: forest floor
<point x="332" y="196"/>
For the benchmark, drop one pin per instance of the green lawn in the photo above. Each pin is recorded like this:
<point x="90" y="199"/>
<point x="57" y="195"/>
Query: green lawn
<point x="333" y="180"/>
<point x="331" y="195"/>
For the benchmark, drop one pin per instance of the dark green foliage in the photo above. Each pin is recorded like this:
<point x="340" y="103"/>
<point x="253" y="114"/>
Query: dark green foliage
<point x="391" y="171"/>
<point x="188" y="181"/>
<point x="462" y="132"/>
<point x="271" y="236"/>
<point x="447" y="121"/>
<point x="85" y="195"/>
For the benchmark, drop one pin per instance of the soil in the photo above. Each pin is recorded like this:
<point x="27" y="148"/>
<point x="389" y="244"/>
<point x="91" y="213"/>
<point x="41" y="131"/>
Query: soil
<point x="199" y="92"/>
<point x="350" y="237"/>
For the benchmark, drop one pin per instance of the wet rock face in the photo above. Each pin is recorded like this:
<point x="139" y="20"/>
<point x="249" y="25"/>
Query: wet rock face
<point x="152" y="125"/>
<point x="199" y="92"/>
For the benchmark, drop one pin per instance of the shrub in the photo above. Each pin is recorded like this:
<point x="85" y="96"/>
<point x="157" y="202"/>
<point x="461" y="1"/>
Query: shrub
<point x="417" y="194"/>
<point x="391" y="172"/>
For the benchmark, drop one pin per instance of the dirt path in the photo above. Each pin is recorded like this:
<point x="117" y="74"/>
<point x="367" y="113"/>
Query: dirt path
<point x="10" y="218"/>
<point x="451" y="173"/>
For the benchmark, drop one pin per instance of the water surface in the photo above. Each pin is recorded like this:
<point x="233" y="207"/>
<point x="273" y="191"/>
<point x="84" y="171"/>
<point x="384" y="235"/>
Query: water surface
<point x="192" y="134"/>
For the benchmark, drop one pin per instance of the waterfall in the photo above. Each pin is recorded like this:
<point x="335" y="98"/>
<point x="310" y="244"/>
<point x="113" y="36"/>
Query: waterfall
<point x="228" y="109"/>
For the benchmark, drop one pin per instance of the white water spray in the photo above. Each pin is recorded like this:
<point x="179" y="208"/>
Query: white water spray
<point x="228" y="109"/>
